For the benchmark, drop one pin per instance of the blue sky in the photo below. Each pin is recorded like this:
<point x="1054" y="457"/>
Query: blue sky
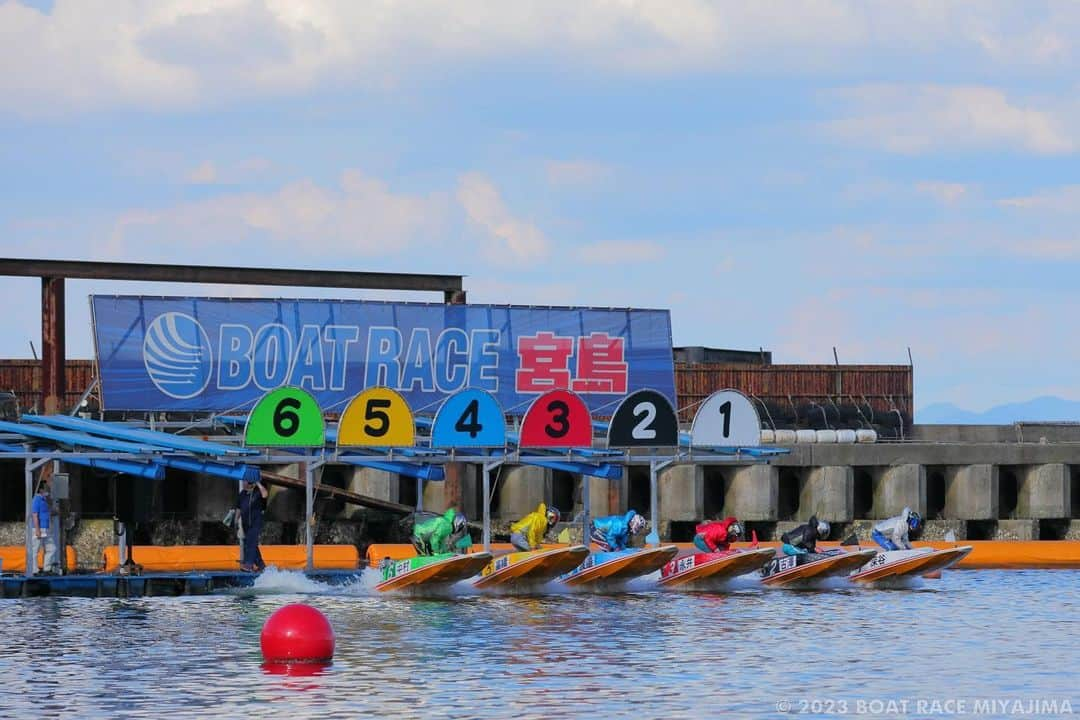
<point x="789" y="175"/>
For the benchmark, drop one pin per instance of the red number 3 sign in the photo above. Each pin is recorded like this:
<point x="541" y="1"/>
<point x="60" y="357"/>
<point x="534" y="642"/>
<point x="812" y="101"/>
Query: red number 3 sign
<point x="558" y="419"/>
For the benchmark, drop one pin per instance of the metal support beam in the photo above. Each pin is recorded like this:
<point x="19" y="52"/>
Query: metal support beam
<point x="586" y="507"/>
<point x="152" y="272"/>
<point x="655" y="466"/>
<point x="53" y="380"/>
<point x="489" y="467"/>
<point x="309" y="504"/>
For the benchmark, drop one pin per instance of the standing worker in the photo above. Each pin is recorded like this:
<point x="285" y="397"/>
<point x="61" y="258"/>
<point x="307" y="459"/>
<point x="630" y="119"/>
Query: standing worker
<point x="42" y="527"/>
<point x="250" y="507"/>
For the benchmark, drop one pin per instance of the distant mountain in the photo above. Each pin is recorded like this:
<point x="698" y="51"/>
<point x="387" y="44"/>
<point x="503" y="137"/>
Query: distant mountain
<point x="1040" y="409"/>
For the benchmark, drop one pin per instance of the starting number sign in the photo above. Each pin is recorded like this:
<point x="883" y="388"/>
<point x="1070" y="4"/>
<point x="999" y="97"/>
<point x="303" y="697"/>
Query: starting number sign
<point x="644" y="419"/>
<point x="285" y="417"/>
<point x="377" y="417"/>
<point x="470" y="418"/>
<point x="558" y="419"/>
<point x="726" y="419"/>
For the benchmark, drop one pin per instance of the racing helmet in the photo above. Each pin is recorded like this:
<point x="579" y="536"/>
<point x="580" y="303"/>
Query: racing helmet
<point x="914" y="521"/>
<point x="638" y="525"/>
<point x="460" y="522"/>
<point x="553" y="516"/>
<point x="823" y="529"/>
<point x="734" y="530"/>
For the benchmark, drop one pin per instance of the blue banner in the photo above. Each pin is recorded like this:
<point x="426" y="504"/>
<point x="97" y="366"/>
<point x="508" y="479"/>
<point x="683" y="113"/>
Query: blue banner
<point x="217" y="354"/>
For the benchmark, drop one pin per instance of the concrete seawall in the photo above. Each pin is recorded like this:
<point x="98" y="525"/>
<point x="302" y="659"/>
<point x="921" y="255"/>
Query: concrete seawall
<point x="1018" y="482"/>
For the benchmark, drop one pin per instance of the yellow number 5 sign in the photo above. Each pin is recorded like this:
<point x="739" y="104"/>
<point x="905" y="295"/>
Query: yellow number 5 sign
<point x="378" y="417"/>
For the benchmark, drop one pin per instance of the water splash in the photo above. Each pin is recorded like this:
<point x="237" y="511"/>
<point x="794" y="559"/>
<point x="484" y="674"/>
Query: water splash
<point x="273" y="581"/>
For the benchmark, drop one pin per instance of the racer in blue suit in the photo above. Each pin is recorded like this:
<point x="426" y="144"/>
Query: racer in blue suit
<point x="613" y="532"/>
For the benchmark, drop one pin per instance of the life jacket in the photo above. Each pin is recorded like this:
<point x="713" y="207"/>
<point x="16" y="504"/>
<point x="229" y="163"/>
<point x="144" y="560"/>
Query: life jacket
<point x="533" y="526"/>
<point x="715" y="533"/>
<point x="615" y="529"/>
<point x="804" y="536"/>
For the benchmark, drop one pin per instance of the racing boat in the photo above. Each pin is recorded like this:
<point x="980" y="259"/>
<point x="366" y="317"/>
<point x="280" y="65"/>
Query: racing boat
<point x="891" y="564"/>
<point x="786" y="569"/>
<point x="532" y="567"/>
<point x="706" y="569"/>
<point x="620" y="564"/>
<point x="430" y="570"/>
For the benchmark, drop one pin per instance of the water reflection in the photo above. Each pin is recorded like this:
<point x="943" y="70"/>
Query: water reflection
<point x="645" y="654"/>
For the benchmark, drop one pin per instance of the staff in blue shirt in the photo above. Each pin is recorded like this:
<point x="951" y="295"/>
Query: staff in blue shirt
<point x="40" y="516"/>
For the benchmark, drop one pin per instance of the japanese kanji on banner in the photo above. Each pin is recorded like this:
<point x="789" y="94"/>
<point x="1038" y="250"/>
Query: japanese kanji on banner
<point x="214" y="354"/>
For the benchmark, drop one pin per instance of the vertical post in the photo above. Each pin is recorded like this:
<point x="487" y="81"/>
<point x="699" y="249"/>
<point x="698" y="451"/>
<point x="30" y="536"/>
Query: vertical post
<point x="309" y="513"/>
<point x="654" y="497"/>
<point x="419" y="494"/>
<point x="53" y="380"/>
<point x="586" y="505"/>
<point x="488" y="467"/>
<point x="31" y="561"/>
<point x="121" y="544"/>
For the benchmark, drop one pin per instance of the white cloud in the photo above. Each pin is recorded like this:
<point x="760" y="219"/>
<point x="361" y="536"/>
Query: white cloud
<point x="946" y="193"/>
<point x="725" y="266"/>
<point x="185" y="53"/>
<point x="1064" y="199"/>
<point x="204" y="174"/>
<point x="616" y="252"/>
<point x="576" y="173"/>
<point x="212" y="173"/>
<point x="508" y="238"/>
<point x="520" y="291"/>
<point x="920" y="119"/>
<point x="361" y="216"/>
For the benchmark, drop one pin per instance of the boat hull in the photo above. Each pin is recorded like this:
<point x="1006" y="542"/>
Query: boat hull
<point x="533" y="567"/>
<point x="712" y="568"/>
<point x="431" y="570"/>
<point x="786" y="569"/>
<point x="620" y="565"/>
<point x="908" y="563"/>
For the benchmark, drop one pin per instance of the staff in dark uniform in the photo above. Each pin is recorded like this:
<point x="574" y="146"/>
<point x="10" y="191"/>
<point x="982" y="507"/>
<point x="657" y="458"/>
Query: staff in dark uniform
<point x="250" y="506"/>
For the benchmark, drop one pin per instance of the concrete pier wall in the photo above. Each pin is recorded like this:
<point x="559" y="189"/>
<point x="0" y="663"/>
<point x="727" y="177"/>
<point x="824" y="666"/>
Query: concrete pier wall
<point x="976" y="482"/>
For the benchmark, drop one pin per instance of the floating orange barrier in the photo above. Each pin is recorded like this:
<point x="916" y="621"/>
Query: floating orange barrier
<point x="186" y="558"/>
<point x="1015" y="554"/>
<point x="13" y="558"/>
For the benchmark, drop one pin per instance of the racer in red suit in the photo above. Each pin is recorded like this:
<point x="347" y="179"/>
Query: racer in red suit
<point x="717" y="536"/>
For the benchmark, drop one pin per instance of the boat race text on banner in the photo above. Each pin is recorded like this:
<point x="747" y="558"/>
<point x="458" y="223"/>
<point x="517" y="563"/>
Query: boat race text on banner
<point x="217" y="354"/>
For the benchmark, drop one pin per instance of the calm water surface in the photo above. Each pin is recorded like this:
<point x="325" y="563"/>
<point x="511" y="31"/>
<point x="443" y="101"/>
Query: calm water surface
<point x="986" y="637"/>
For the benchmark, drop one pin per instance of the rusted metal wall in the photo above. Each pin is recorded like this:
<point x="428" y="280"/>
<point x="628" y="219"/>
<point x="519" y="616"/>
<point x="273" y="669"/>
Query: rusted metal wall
<point x="24" y="378"/>
<point x="886" y="388"/>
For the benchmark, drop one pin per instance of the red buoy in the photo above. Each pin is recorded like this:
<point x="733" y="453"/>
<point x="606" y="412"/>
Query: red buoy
<point x="297" y="633"/>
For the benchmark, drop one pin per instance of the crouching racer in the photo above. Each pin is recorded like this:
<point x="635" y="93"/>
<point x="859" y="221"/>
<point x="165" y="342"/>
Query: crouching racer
<point x="717" y="536"/>
<point x="803" y="539"/>
<point x="442" y="534"/>
<point x="528" y="532"/>
<point x="613" y="532"/>
<point x="892" y="534"/>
